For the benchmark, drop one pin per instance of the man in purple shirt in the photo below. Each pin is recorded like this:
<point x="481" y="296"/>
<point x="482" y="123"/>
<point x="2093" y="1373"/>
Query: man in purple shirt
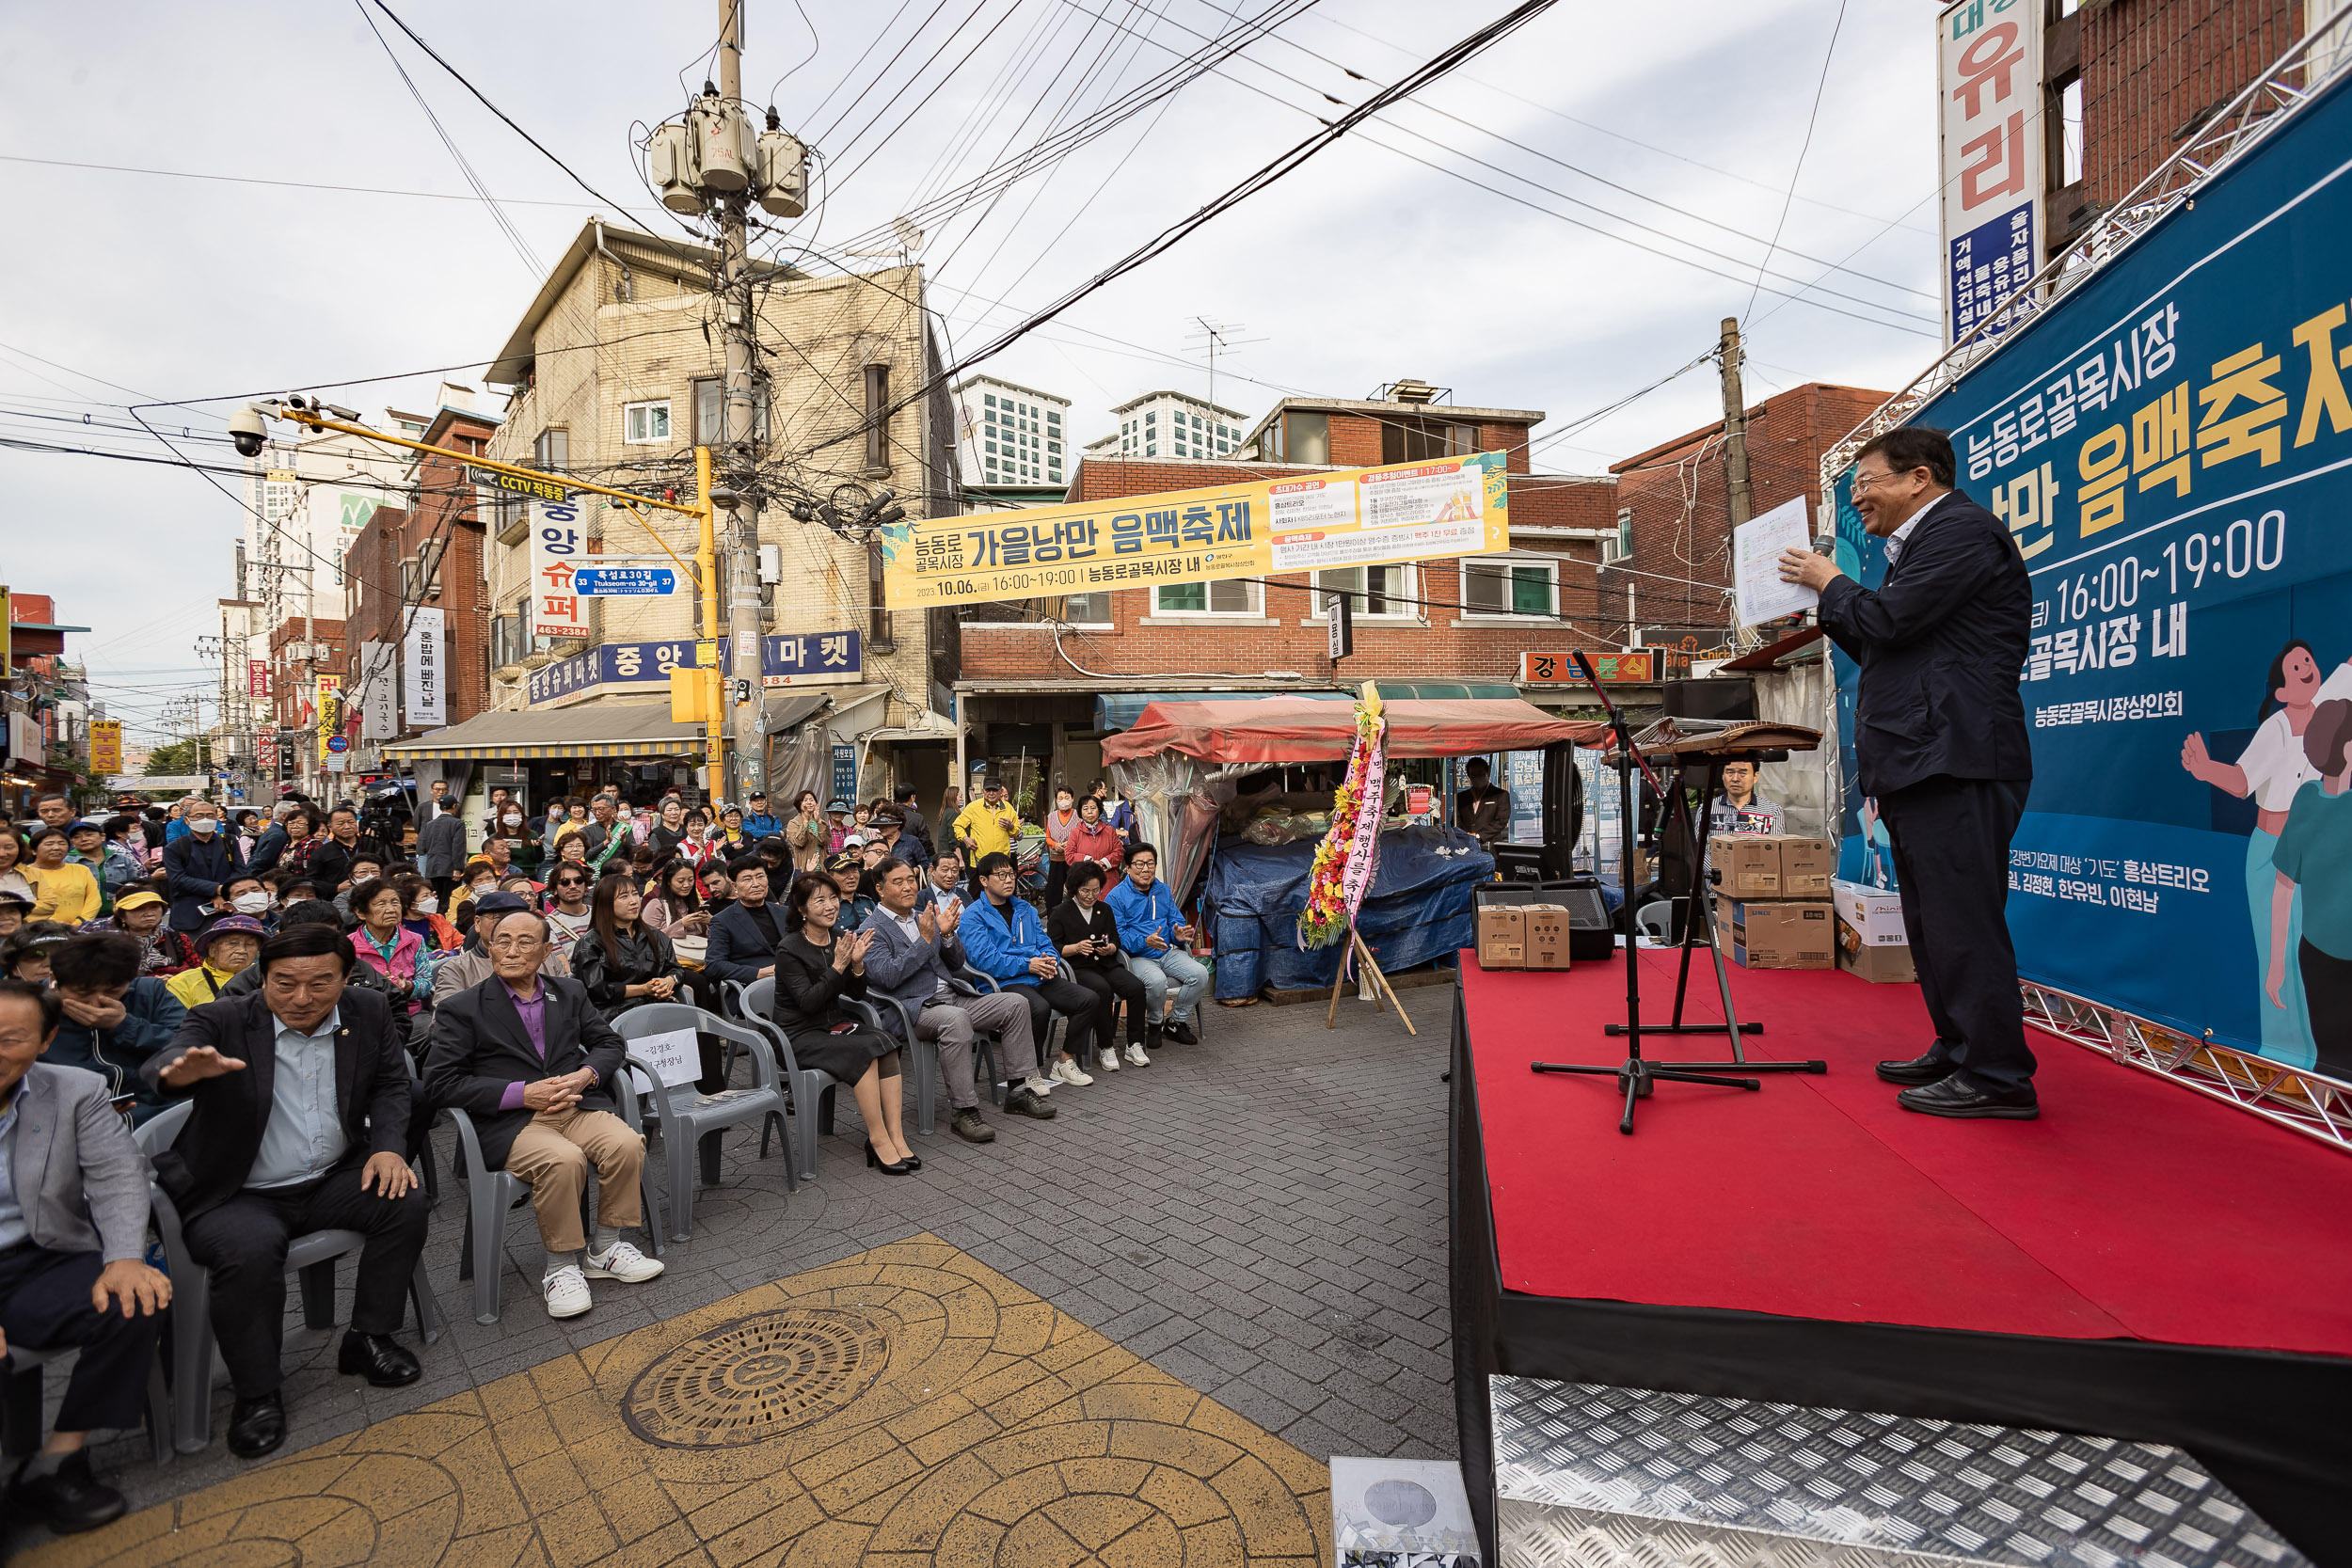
<point x="529" y="1059"/>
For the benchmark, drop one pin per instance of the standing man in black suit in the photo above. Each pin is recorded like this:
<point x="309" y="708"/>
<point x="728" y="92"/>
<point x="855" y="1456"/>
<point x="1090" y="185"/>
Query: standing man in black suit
<point x="1940" y="739"/>
<point x="531" y="1061"/>
<point x="301" y="1124"/>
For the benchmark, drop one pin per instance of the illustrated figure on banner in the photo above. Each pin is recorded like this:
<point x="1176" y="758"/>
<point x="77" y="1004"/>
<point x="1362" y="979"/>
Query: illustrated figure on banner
<point x="2312" y="862"/>
<point x="2274" y="769"/>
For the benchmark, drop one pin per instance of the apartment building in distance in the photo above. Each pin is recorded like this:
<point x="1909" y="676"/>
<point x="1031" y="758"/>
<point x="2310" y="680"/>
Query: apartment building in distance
<point x="1012" y="443"/>
<point x="1178" y="426"/>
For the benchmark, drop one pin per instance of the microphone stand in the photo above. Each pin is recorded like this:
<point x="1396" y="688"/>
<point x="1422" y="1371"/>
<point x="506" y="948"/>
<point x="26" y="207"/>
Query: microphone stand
<point x="1636" y="1075"/>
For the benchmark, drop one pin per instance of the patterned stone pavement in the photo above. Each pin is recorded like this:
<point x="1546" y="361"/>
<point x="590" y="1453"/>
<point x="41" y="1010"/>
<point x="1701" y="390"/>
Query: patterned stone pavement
<point x="906" y="1405"/>
<point x="1260" y="1217"/>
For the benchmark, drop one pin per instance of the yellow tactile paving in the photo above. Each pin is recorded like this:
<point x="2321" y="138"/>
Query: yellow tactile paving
<point x="908" y="1406"/>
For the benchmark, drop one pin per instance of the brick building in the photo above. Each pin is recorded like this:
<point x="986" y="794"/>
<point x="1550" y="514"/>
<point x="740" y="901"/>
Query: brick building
<point x="1668" y="582"/>
<point x="1041" y="682"/>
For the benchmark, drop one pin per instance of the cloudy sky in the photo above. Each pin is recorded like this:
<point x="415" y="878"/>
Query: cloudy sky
<point x="1557" y="224"/>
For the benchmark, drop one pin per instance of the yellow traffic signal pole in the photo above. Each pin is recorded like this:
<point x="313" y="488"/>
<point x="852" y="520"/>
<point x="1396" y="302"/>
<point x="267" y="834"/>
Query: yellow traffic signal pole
<point x="704" y="573"/>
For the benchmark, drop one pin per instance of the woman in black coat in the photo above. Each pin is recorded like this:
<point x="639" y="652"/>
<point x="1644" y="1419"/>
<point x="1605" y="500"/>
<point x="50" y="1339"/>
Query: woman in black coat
<point x="816" y="967"/>
<point x="625" y="963"/>
<point x="1086" y="933"/>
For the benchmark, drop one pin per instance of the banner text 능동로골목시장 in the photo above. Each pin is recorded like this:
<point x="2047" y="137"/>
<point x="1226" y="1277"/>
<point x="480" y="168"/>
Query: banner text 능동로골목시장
<point x="1252" y="528"/>
<point x="2171" y="445"/>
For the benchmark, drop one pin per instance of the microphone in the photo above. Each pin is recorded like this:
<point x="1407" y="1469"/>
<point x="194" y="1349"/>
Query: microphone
<point x="1826" y="544"/>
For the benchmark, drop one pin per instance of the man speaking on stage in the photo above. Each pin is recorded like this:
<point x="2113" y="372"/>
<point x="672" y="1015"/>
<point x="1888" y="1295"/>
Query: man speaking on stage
<point x="1940" y="738"/>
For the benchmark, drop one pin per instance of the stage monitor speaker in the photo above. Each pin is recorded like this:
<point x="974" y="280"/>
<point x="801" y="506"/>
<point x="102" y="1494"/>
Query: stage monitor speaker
<point x="1724" y="697"/>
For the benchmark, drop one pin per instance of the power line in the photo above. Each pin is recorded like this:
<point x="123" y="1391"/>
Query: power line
<point x="1811" y="119"/>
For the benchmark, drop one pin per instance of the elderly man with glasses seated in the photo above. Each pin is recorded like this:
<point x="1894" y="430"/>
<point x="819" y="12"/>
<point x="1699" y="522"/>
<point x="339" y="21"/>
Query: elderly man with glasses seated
<point x="529" y="1059"/>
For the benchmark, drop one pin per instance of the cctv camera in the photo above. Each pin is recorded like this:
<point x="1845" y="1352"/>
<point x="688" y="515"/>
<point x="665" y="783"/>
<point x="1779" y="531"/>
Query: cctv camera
<point x="246" y="429"/>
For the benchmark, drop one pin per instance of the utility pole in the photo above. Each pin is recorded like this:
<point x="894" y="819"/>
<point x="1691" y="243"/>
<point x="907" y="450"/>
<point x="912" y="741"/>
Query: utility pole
<point x="745" y="726"/>
<point x="1735" y="424"/>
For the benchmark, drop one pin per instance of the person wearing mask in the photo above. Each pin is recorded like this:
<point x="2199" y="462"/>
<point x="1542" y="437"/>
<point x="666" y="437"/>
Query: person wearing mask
<point x="1116" y="812"/>
<point x="916" y="960"/>
<point x="493" y="821"/>
<point x="423" y="916"/>
<point x="943" y="884"/>
<point x="744" y="935"/>
<point x="1157" y="943"/>
<point x="73" y="1271"/>
<point x="1059" y="823"/>
<point x="757" y="824"/>
<point x="162" y="950"/>
<point x="567" y="904"/>
<point x="246" y="895"/>
<point x="1094" y="841"/>
<point x="115" y="1017"/>
<point x="62" y="890"/>
<point x="808" y="836"/>
<point x="987" y="826"/>
<point x="1739" y="809"/>
<point x="917" y="826"/>
<point x="674" y="908"/>
<point x="385" y="945"/>
<point x="531" y="1060"/>
<point x="1086" y="933"/>
<point x="300" y="1124"/>
<point x="441" y="846"/>
<point x="1942" y="742"/>
<point x="1484" y="810"/>
<point x="818" y="962"/>
<point x="1007" y="940"/>
<point x="479" y="877"/>
<point x="198" y="866"/>
<point x="469" y="965"/>
<point x="226" y="948"/>
<point x="13" y="861"/>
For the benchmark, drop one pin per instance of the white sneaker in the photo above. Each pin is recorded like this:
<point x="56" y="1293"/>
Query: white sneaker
<point x="1136" y="1056"/>
<point x="1037" y="1086"/>
<point x="568" y="1292"/>
<point x="622" y="1261"/>
<point x="1106" y="1059"/>
<point x="1068" y="1071"/>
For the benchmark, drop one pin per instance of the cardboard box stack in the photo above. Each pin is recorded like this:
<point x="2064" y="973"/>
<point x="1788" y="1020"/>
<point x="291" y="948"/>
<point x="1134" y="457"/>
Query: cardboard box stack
<point x="1771" y="898"/>
<point x="1872" y="940"/>
<point x="1522" y="936"/>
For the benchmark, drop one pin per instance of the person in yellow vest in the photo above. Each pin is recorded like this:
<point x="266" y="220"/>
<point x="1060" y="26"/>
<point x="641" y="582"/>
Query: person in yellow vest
<point x="229" y="946"/>
<point x="987" y="826"/>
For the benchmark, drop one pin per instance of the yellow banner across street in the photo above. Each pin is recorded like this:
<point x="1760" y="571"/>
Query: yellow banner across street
<point x="1255" y="527"/>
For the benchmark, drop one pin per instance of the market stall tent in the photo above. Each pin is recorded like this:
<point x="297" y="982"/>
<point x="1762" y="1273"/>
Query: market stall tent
<point x="1298" y="730"/>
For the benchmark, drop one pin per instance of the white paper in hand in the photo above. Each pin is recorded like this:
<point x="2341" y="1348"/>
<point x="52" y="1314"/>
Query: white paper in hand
<point x="1755" y="548"/>
<point x="673" y="1055"/>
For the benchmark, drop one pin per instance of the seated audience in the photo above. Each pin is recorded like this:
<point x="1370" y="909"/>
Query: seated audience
<point x="301" y="1124"/>
<point x="73" y="1244"/>
<point x="1006" y="940"/>
<point x="674" y="902"/>
<point x="470" y="964"/>
<point x="915" y="959"/>
<point x="744" y="936"/>
<point x="390" y="948"/>
<point x="529" y="1059"/>
<point x="227" y="947"/>
<point x="817" y="965"/>
<point x="116" y="1019"/>
<point x="1157" y="941"/>
<point x="1086" y="934"/>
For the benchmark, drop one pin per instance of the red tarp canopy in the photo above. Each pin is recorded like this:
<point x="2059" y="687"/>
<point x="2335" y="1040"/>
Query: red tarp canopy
<point x="1300" y="729"/>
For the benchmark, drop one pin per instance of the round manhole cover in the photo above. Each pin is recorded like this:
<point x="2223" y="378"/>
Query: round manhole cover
<point x="757" y="1377"/>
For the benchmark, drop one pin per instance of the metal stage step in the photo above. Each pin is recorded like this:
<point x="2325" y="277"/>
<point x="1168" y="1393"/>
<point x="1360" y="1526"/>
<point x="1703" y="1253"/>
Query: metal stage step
<point x="1597" y="1477"/>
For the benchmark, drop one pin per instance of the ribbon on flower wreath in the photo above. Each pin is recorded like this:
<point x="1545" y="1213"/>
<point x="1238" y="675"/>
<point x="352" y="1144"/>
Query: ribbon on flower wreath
<point x="1350" y="851"/>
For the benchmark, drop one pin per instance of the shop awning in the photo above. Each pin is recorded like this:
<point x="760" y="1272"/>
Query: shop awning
<point x="1293" y="729"/>
<point x="787" y="711"/>
<point x="590" y="730"/>
<point x="1119" y="710"/>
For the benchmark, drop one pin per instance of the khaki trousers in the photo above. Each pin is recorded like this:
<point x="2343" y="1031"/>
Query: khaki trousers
<point x="551" y="1155"/>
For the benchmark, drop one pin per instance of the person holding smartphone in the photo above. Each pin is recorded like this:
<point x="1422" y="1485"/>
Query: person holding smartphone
<point x="1084" y="931"/>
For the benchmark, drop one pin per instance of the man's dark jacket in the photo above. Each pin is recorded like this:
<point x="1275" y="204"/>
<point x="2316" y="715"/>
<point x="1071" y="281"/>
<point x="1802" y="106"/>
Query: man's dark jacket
<point x="735" y="949"/>
<point x="208" y="1164"/>
<point x="268" y="848"/>
<point x="1940" y="642"/>
<point x="479" y="1046"/>
<point x="196" y="870"/>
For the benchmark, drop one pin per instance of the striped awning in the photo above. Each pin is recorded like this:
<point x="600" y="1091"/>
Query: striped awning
<point x="588" y="730"/>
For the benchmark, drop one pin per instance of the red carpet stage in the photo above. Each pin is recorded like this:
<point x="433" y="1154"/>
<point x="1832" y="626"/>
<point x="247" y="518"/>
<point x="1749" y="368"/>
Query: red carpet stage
<point x="2141" y="1262"/>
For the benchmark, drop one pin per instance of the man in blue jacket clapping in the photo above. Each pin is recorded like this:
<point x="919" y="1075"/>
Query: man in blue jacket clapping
<point x="1156" y="940"/>
<point x="1003" y="938"/>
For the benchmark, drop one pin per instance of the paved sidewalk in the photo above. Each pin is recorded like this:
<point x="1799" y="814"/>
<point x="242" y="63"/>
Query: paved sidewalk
<point x="1261" y="1216"/>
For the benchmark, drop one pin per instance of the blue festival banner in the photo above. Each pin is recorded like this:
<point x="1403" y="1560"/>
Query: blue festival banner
<point x="2172" y="448"/>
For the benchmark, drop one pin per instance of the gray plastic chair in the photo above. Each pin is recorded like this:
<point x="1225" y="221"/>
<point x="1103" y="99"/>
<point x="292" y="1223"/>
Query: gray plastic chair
<point x="691" y="1120"/>
<point x="923" y="1055"/>
<point x="812" y="1090"/>
<point x="491" y="1195"/>
<point x="309" y="1258"/>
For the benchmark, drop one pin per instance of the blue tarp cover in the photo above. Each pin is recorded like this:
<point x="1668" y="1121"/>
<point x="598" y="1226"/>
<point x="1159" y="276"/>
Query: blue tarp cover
<point x="1419" y="906"/>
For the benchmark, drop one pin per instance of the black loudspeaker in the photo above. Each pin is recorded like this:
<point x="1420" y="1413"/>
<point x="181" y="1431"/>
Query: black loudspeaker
<point x="1726" y="697"/>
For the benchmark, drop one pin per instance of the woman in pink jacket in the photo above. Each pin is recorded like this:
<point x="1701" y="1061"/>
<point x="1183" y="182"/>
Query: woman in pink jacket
<point x="1094" y="839"/>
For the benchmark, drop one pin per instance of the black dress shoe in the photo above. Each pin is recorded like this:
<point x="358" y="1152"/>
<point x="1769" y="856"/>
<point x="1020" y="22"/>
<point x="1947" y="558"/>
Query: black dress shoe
<point x="913" y="1160"/>
<point x="1028" y="1102"/>
<point x="888" y="1167"/>
<point x="1930" y="1069"/>
<point x="966" y="1124"/>
<point x="1955" y="1097"/>
<point x="1181" y="1032"/>
<point x="69" y="1498"/>
<point x="388" y="1363"/>
<point x="257" y="1427"/>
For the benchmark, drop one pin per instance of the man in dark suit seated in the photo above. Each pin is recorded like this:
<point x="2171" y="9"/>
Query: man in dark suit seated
<point x="301" y="1124"/>
<point x="1941" y="741"/>
<point x="531" y="1061"/>
<point x="72" y="1236"/>
<point x="744" y="936"/>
